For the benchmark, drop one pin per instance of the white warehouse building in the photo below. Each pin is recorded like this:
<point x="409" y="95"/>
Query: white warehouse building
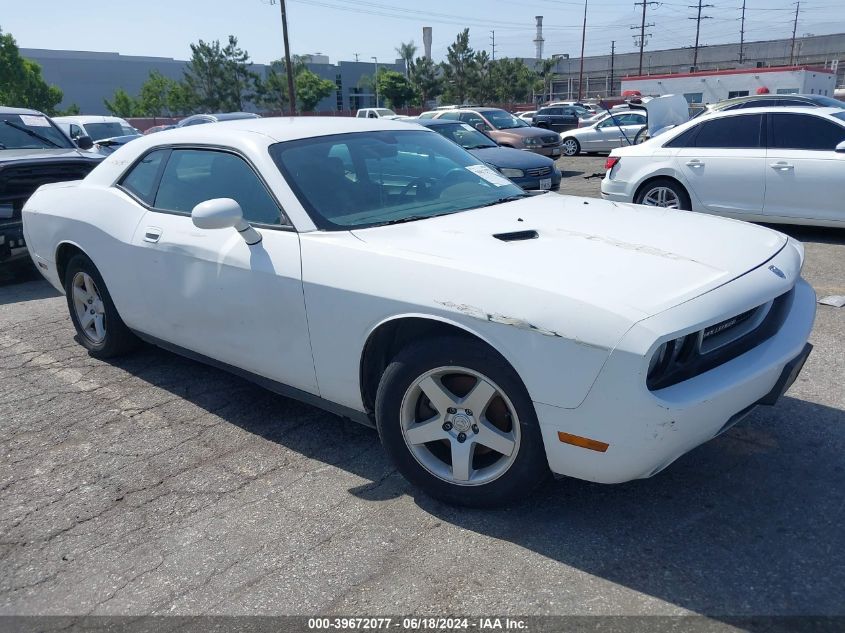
<point x="712" y="86"/>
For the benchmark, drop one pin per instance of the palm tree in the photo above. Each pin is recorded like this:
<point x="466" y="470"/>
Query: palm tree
<point x="407" y="51"/>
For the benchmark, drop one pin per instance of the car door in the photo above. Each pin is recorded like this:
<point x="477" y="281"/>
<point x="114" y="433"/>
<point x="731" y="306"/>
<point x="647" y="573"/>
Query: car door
<point x="210" y="292"/>
<point x="607" y="135"/>
<point x="805" y="176"/>
<point x="722" y="162"/>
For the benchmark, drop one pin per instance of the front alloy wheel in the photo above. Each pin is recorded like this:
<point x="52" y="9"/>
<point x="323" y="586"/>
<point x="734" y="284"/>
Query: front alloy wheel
<point x="460" y="426"/>
<point x="456" y="420"/>
<point x="571" y="147"/>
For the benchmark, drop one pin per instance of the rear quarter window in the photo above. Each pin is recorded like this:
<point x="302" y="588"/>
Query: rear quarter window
<point x="142" y="178"/>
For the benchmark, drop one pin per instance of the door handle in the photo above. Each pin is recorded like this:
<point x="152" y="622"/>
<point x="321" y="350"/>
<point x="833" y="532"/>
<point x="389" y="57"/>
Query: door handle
<point x="695" y="163"/>
<point x="152" y="234"/>
<point x="782" y="166"/>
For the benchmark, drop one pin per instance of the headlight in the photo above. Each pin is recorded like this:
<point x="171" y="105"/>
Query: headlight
<point x="669" y="359"/>
<point x="532" y="141"/>
<point x="512" y="173"/>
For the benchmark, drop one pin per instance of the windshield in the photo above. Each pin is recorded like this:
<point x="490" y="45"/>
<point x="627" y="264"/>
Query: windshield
<point x="828" y="102"/>
<point x="30" y="131"/>
<point x="99" y="131"/>
<point x="465" y="135"/>
<point x="502" y="120"/>
<point x="350" y="181"/>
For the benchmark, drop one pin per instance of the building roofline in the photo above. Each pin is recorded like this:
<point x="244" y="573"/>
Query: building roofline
<point x="734" y="71"/>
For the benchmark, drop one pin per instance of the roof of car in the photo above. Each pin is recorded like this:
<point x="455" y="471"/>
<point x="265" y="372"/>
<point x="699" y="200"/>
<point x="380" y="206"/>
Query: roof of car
<point x="10" y="110"/>
<point x="273" y="129"/>
<point x="435" y="122"/>
<point x="89" y="118"/>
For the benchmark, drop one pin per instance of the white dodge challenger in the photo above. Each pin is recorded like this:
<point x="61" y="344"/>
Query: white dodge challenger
<point x="377" y="270"/>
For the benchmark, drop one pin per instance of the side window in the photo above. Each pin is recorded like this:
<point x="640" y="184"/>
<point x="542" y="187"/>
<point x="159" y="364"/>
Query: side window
<point x="685" y="139"/>
<point x="141" y="179"/>
<point x="451" y="116"/>
<point x="804" y="131"/>
<point x="472" y="118"/>
<point x="192" y="176"/>
<point x="730" y="132"/>
<point x="75" y="131"/>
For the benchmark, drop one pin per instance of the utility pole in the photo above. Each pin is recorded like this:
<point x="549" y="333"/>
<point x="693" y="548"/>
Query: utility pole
<point x="288" y="65"/>
<point x="356" y="56"/>
<point x="612" y="59"/>
<point x="794" y="28"/>
<point x="375" y="78"/>
<point x="742" y="33"/>
<point x="698" y="28"/>
<point x="583" y="39"/>
<point x="643" y="27"/>
<point x="493" y="42"/>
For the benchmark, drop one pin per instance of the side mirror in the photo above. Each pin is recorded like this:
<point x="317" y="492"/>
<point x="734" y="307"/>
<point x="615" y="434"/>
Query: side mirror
<point x="840" y="148"/>
<point x="224" y="213"/>
<point x="84" y="142"/>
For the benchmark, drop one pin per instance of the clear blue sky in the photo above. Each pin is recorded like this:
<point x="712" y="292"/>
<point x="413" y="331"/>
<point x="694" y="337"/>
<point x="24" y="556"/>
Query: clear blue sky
<point x="340" y="28"/>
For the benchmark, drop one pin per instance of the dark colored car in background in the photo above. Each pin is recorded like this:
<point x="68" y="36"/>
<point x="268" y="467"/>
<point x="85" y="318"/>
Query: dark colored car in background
<point x="507" y="130"/>
<point x="201" y="119"/>
<point x="557" y="118"/>
<point x="33" y="152"/>
<point x="528" y="170"/>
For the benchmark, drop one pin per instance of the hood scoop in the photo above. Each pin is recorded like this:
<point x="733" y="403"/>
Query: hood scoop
<point x="517" y="236"/>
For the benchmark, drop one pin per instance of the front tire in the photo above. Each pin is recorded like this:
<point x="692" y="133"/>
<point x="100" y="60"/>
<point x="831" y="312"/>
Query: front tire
<point x="98" y="325"/>
<point x="571" y="147"/>
<point x="457" y="422"/>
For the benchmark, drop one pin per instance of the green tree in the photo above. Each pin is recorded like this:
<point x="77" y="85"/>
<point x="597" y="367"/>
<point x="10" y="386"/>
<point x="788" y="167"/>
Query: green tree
<point x="425" y="79"/>
<point x="242" y="83"/>
<point x="546" y="73"/>
<point x="395" y="88"/>
<point x="311" y="89"/>
<point x="271" y="93"/>
<point x="512" y="80"/>
<point x="181" y="99"/>
<point x="406" y="51"/>
<point x="154" y="98"/>
<point x="458" y="69"/>
<point x="123" y="105"/>
<point x="21" y="83"/>
<point x="482" y="88"/>
<point x="71" y="110"/>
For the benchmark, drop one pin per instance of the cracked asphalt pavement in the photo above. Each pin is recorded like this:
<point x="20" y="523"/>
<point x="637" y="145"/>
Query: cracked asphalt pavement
<point x="156" y="485"/>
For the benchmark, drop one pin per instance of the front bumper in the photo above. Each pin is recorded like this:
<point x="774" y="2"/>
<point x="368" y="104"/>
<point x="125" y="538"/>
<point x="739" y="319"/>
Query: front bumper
<point x="646" y="431"/>
<point x="530" y="183"/>
<point x="12" y="243"/>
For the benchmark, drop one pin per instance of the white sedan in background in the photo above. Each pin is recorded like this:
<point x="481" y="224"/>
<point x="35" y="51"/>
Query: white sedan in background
<point x="762" y="164"/>
<point x="606" y="133"/>
<point x="380" y="271"/>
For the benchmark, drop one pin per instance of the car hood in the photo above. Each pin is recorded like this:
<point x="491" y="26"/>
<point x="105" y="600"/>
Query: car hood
<point x="525" y="132"/>
<point x="41" y="154"/>
<point x="631" y="261"/>
<point x="509" y="157"/>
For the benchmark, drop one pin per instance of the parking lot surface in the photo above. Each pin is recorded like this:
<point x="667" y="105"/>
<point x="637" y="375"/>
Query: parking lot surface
<point x="156" y="485"/>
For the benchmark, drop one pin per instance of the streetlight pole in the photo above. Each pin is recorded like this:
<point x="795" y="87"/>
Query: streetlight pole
<point x="375" y="79"/>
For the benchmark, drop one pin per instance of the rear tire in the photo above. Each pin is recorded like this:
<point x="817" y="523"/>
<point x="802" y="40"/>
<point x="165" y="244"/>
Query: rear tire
<point x="664" y="192"/>
<point x="440" y="406"/>
<point x="98" y="325"/>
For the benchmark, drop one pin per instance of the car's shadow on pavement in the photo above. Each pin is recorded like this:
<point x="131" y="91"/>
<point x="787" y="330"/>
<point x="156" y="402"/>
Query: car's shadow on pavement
<point x="748" y="524"/>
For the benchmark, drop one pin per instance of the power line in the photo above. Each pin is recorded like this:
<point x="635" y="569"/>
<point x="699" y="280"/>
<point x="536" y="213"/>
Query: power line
<point x="698" y="28"/>
<point x="643" y="26"/>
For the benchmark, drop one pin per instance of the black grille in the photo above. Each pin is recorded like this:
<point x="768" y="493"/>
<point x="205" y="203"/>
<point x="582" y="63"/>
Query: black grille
<point x="727" y="324"/>
<point x="21" y="181"/>
<point x="538" y="171"/>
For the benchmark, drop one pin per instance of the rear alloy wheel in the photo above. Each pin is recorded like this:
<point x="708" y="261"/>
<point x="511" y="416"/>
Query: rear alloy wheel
<point x="664" y="193"/>
<point x="98" y="326"/>
<point x="571" y="147"/>
<point x="456" y="420"/>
